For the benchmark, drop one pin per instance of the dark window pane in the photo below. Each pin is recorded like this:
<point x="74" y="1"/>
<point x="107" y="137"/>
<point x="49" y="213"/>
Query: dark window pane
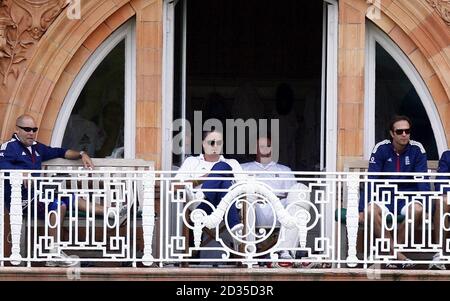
<point x="96" y="124"/>
<point x="395" y="94"/>
<point x="242" y="64"/>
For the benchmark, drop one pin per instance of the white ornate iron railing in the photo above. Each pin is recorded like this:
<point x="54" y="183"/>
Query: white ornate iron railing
<point x="319" y="219"/>
<point x="92" y="234"/>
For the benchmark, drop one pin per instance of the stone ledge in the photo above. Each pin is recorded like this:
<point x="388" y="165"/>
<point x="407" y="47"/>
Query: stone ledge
<point x="215" y="274"/>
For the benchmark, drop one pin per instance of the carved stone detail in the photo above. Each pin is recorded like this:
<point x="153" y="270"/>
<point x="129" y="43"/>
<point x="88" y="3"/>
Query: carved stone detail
<point x="22" y="24"/>
<point x="442" y="7"/>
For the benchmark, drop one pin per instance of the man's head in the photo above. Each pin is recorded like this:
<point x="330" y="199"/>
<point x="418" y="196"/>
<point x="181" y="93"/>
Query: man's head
<point x="212" y="142"/>
<point x="400" y="131"/>
<point x="26" y="129"/>
<point x="264" y="150"/>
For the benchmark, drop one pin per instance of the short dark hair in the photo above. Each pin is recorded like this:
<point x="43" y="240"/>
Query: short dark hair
<point x="397" y="118"/>
<point x="207" y="132"/>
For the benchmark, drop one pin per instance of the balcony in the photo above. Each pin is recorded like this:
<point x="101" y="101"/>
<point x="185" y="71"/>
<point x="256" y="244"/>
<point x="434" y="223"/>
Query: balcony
<point x="166" y="234"/>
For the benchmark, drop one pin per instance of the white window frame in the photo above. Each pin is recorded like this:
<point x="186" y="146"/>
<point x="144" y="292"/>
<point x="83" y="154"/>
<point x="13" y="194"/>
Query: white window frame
<point x="126" y="32"/>
<point x="375" y="35"/>
<point x="168" y="80"/>
<point x="329" y="102"/>
<point x="329" y="106"/>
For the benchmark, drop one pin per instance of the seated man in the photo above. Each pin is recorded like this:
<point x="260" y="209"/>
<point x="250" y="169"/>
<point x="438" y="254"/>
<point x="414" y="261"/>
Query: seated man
<point x="264" y="212"/>
<point x="212" y="160"/>
<point x="400" y="154"/>
<point x="22" y="152"/>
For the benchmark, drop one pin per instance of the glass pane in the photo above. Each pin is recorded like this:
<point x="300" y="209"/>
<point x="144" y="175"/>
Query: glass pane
<point x="240" y="64"/>
<point x="96" y="124"/>
<point x="395" y="94"/>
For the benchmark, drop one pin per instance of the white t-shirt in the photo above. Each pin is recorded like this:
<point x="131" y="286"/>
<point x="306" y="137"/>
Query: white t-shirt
<point x="264" y="214"/>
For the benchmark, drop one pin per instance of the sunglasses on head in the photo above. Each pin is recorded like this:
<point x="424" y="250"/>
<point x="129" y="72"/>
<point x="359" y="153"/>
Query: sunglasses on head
<point x="401" y="131"/>
<point x="28" y="129"/>
<point x="214" y="142"/>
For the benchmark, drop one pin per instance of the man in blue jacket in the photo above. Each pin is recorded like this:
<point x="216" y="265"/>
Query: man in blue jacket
<point x="400" y="154"/>
<point x="23" y="152"/>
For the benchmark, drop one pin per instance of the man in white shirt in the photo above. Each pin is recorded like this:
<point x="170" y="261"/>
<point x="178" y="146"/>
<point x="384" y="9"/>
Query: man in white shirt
<point x="280" y="183"/>
<point x="200" y="166"/>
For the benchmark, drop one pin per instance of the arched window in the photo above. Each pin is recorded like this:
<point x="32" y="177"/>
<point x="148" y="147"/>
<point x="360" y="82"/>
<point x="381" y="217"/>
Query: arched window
<point x="393" y="86"/>
<point x="98" y="113"/>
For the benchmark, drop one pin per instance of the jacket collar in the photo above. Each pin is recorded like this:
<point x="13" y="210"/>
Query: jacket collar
<point x="405" y="151"/>
<point x="14" y="136"/>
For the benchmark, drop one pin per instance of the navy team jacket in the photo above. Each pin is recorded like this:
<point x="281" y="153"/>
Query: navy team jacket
<point x="444" y="166"/>
<point x="385" y="159"/>
<point x="15" y="155"/>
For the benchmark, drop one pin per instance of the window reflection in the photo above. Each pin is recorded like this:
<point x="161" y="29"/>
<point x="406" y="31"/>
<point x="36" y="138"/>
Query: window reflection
<point x="96" y="124"/>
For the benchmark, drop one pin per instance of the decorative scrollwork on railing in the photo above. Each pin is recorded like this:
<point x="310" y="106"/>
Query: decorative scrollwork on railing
<point x="248" y="195"/>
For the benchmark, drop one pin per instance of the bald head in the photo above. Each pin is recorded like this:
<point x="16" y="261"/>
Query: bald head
<point x="24" y="119"/>
<point x="26" y="129"/>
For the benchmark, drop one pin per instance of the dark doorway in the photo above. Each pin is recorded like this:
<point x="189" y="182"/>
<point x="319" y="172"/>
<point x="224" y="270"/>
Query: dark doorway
<point x="257" y="59"/>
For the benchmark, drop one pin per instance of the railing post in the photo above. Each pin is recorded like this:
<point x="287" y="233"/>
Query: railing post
<point x="15" y="216"/>
<point x="302" y="227"/>
<point x="352" y="218"/>
<point x="197" y="217"/>
<point x="148" y="216"/>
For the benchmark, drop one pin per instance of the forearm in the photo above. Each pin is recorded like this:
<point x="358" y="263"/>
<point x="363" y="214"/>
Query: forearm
<point x="198" y="182"/>
<point x="72" y="155"/>
<point x="195" y="183"/>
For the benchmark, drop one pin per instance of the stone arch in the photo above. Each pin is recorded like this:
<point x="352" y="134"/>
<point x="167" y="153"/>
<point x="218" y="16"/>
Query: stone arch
<point x="424" y="37"/>
<point x="70" y="71"/>
<point x="58" y="57"/>
<point x="421" y="33"/>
